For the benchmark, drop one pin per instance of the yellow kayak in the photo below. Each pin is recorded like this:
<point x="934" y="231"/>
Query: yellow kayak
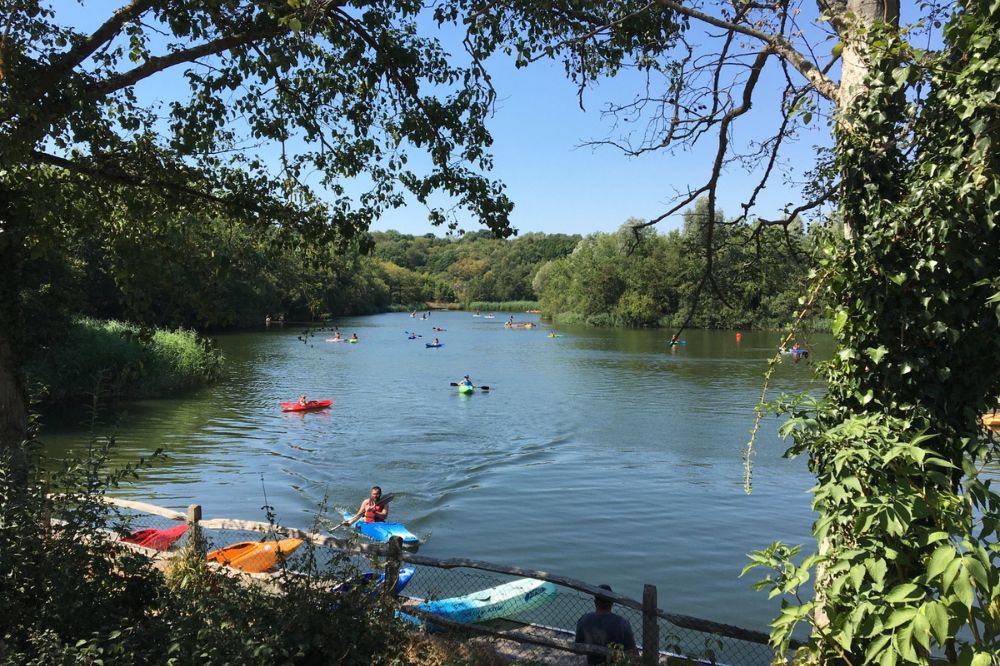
<point x="255" y="556"/>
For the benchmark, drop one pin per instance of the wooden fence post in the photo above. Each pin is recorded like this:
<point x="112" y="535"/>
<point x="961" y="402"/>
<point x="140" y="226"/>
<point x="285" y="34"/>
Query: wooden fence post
<point x="394" y="556"/>
<point x="650" y="627"/>
<point x="193" y="516"/>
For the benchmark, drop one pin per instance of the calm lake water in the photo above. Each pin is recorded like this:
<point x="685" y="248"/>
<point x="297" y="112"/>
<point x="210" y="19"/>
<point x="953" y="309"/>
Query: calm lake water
<point x="599" y="455"/>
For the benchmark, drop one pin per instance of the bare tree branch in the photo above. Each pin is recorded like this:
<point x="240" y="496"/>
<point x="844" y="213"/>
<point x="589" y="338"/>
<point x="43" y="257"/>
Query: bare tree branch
<point x="777" y="43"/>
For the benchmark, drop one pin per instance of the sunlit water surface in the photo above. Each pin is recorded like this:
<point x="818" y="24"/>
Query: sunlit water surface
<point x="599" y="455"/>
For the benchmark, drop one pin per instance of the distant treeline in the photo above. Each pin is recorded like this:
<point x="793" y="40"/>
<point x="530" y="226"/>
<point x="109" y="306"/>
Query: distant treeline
<point x="217" y="274"/>
<point x="637" y="278"/>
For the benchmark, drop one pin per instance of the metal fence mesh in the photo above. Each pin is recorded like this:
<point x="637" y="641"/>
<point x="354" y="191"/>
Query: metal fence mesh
<point x="552" y="620"/>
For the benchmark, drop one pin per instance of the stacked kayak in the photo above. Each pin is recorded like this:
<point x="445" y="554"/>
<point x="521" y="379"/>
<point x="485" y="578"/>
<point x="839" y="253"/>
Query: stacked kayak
<point x="255" y="556"/>
<point x="382" y="532"/>
<point x="376" y="580"/>
<point x="502" y="601"/>
<point x="308" y="406"/>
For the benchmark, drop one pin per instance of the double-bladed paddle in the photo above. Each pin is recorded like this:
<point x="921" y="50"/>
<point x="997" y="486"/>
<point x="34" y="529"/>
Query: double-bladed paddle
<point x="481" y="388"/>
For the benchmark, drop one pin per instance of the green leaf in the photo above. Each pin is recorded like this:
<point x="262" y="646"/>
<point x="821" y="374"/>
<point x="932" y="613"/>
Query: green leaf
<point x="950" y="573"/>
<point x="877" y="353"/>
<point x="839" y="319"/>
<point x="937" y="617"/>
<point x="901" y="74"/>
<point x="903" y="592"/>
<point x="963" y="590"/>
<point x="939" y="561"/>
<point x="900" y="616"/>
<point x="922" y="630"/>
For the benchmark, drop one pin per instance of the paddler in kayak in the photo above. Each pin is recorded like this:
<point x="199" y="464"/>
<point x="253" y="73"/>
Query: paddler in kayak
<point x="354" y="337"/>
<point x="302" y="399"/>
<point x="465" y="382"/>
<point x="371" y="509"/>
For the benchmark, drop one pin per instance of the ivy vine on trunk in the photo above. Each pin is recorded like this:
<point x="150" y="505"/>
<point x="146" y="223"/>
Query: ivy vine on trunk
<point x="909" y="563"/>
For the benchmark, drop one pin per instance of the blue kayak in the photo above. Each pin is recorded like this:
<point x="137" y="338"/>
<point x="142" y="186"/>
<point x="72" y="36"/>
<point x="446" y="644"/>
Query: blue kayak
<point x="370" y="578"/>
<point x="382" y="532"/>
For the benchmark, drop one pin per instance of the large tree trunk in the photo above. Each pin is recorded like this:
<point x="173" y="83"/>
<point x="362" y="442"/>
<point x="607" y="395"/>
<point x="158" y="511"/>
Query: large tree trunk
<point x="13" y="393"/>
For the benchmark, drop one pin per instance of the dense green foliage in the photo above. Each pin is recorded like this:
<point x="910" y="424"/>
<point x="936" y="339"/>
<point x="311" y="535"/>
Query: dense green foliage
<point x="909" y="521"/>
<point x="70" y="595"/>
<point x="647" y="279"/>
<point x="115" y="360"/>
<point x="475" y="267"/>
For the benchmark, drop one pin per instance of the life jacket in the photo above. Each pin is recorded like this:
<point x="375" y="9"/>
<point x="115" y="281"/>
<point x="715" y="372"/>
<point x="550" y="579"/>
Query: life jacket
<point x="370" y="516"/>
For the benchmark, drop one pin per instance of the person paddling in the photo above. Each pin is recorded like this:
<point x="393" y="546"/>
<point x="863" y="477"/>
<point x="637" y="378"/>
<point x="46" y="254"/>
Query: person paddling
<point x="466" y="382"/>
<point x="302" y="399"/>
<point x="354" y="337"/>
<point x="371" y="509"/>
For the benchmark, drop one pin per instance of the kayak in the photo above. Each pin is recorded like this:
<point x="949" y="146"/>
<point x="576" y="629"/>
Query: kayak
<point x="502" y="601"/>
<point x="796" y="352"/>
<point x="353" y="340"/>
<point x="465" y="389"/>
<point x="255" y="556"/>
<point x="335" y="339"/>
<point x="158" y="539"/>
<point x="382" y="532"/>
<point x="434" y="346"/>
<point x="310" y="404"/>
<point x="375" y="581"/>
<point x="553" y="335"/>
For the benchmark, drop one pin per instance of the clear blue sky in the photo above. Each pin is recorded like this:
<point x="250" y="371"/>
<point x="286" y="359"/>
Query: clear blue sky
<point x="559" y="186"/>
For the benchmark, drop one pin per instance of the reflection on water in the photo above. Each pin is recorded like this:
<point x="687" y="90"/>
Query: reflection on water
<point x="599" y="455"/>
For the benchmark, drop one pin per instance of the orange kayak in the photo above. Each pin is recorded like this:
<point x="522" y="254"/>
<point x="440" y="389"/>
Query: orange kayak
<point x="991" y="420"/>
<point x="255" y="556"/>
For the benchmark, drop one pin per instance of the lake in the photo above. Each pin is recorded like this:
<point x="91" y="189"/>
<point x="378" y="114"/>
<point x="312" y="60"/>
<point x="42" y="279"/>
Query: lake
<point x="600" y="454"/>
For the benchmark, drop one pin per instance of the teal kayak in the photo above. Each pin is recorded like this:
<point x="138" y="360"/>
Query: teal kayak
<point x="502" y="601"/>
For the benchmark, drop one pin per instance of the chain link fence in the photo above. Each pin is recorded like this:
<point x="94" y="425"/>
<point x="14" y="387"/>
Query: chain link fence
<point x="539" y="629"/>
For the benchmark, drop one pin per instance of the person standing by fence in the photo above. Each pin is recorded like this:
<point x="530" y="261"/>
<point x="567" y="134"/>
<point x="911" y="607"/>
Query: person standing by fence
<point x="602" y="627"/>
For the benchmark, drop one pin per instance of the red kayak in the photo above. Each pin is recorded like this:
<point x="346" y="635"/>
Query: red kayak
<point x="310" y="404"/>
<point x="158" y="539"/>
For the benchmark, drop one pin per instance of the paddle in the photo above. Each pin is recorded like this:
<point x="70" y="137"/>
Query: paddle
<point x="413" y="333"/>
<point x="481" y="388"/>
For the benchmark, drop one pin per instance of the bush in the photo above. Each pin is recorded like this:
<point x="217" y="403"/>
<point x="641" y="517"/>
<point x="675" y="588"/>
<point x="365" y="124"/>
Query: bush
<point x="120" y="360"/>
<point x="70" y="595"/>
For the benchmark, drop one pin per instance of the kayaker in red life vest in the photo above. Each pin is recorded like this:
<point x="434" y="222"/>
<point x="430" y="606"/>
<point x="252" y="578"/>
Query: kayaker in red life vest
<point x="371" y="509"/>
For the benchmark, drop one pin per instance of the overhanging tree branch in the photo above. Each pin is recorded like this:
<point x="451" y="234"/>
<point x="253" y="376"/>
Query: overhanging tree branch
<point x="777" y="43"/>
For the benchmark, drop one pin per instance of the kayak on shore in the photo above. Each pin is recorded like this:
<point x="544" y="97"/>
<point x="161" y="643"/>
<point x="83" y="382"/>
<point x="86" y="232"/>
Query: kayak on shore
<point x="255" y="556"/>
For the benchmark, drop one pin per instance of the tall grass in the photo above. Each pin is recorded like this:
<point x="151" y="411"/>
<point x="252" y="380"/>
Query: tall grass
<point x="122" y="361"/>
<point x="503" y="306"/>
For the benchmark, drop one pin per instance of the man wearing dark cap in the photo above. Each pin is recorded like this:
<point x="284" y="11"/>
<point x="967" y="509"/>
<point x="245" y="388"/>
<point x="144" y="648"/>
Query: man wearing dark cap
<point x="602" y="627"/>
